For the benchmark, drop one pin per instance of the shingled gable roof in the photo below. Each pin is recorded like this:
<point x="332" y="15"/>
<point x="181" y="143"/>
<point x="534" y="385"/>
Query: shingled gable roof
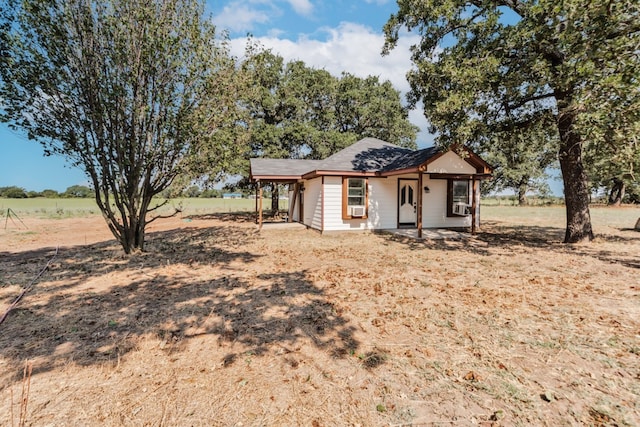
<point x="369" y="157"/>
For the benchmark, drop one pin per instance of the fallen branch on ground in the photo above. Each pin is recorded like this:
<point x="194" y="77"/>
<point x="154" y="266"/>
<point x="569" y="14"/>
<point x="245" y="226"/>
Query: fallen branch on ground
<point x="27" y="288"/>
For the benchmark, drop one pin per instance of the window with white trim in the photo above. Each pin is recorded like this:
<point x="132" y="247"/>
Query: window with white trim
<point x="457" y="192"/>
<point x="354" y="198"/>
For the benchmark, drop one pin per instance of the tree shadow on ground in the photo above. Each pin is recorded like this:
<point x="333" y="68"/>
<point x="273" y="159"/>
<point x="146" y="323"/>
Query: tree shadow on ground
<point x="626" y="251"/>
<point x="521" y="238"/>
<point x="498" y="235"/>
<point x="492" y="236"/>
<point x="232" y="217"/>
<point x="190" y="245"/>
<point x="162" y="293"/>
<point x="242" y="217"/>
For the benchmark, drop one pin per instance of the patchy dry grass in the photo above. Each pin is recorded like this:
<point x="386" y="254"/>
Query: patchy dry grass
<point x="219" y="325"/>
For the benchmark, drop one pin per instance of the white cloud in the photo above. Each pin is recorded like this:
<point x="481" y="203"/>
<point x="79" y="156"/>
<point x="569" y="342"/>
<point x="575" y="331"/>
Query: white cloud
<point x="302" y="7"/>
<point x="238" y="17"/>
<point x="275" y="33"/>
<point x="352" y="48"/>
<point x="243" y="16"/>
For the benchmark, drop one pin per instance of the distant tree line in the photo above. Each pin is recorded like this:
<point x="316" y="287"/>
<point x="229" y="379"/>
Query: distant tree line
<point x="84" y="192"/>
<point x="75" y="191"/>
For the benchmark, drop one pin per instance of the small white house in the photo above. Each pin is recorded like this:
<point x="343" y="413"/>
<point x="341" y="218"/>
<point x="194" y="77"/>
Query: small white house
<point x="375" y="185"/>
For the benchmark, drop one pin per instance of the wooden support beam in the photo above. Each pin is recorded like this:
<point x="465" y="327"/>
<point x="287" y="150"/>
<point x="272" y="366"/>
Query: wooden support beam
<point x="257" y="189"/>
<point x="474" y="205"/>
<point x="459" y="176"/>
<point x="419" y="203"/>
<point x="260" y="205"/>
<point x="292" y="203"/>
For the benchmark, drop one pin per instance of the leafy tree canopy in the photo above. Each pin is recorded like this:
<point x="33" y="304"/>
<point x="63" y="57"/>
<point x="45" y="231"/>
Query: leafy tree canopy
<point x="521" y="159"/>
<point x="485" y="67"/>
<point x="290" y="110"/>
<point x="13" y="192"/>
<point x="49" y="193"/>
<point x="612" y="126"/>
<point x="117" y="87"/>
<point x="79" y="191"/>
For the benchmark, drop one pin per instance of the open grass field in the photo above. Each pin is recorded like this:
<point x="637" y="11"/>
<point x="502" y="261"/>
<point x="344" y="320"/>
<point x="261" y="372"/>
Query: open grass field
<point x="219" y="325"/>
<point x="60" y="208"/>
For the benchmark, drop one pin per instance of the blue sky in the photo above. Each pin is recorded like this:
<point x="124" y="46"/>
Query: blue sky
<point x="336" y="35"/>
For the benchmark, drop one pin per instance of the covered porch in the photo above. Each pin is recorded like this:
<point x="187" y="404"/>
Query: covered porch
<point x="278" y="217"/>
<point x="278" y="172"/>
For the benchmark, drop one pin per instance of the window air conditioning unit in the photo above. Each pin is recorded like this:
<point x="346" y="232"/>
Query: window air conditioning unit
<point x="462" y="209"/>
<point x="357" y="211"/>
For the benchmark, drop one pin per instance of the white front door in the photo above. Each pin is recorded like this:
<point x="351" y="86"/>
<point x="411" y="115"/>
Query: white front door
<point x="407" y="200"/>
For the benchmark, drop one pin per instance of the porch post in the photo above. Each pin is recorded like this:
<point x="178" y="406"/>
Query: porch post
<point x="256" y="202"/>
<point x="474" y="205"/>
<point x="260" y="206"/>
<point x="292" y="203"/>
<point x="419" y="203"/>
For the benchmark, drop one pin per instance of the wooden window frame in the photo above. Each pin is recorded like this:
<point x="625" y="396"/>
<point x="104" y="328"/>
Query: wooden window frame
<point x="450" y="182"/>
<point x="345" y="198"/>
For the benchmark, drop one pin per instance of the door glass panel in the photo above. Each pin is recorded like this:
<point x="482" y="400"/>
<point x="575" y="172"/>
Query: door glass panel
<point x="411" y="195"/>
<point x="403" y="195"/>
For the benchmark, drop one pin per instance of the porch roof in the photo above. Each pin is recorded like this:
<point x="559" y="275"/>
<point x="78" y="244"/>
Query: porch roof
<point x="280" y="169"/>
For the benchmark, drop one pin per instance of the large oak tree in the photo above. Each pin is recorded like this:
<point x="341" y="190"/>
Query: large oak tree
<point x="116" y="86"/>
<point x="296" y="111"/>
<point x="492" y="66"/>
<point x="289" y="110"/>
<point x="612" y="127"/>
<point x="521" y="160"/>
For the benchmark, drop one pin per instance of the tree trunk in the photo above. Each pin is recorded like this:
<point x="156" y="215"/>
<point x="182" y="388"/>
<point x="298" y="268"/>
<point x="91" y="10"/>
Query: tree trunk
<point x="576" y="191"/>
<point x="617" y="192"/>
<point x="128" y="221"/>
<point x="522" y="195"/>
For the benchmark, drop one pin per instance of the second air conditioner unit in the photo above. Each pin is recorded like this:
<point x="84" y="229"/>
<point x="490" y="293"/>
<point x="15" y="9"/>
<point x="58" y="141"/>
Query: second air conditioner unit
<point x="462" y="209"/>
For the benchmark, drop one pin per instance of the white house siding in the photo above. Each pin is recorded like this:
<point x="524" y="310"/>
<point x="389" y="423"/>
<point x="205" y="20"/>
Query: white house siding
<point x="332" y="203"/>
<point x="313" y="203"/>
<point x="381" y="211"/>
<point x="450" y="162"/>
<point x="333" y="208"/>
<point x="383" y="200"/>
<point x="469" y="218"/>
<point x="434" y="206"/>
<point x="434" y="203"/>
<point x="296" y="208"/>
<point x="383" y="203"/>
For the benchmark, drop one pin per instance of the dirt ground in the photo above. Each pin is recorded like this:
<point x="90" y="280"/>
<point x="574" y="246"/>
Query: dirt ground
<point x="218" y="325"/>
